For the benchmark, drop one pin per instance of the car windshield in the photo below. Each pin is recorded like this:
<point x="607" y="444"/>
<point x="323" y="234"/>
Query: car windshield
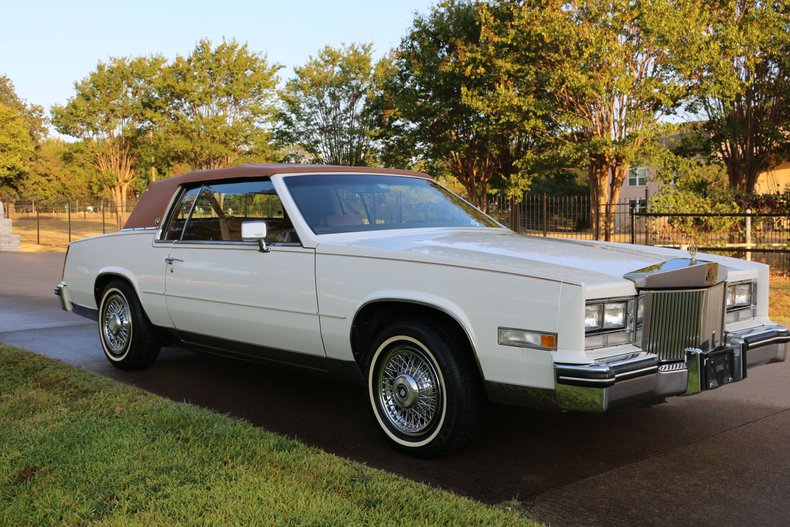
<point x="357" y="202"/>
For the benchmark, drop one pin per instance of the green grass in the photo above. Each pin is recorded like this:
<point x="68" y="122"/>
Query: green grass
<point x="779" y="296"/>
<point x="79" y="449"/>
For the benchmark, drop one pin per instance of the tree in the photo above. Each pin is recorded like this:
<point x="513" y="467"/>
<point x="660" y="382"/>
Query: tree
<point x="324" y="106"/>
<point x="744" y="87"/>
<point x="213" y="107"/>
<point x="57" y="173"/>
<point x="611" y="69"/>
<point x="107" y="114"/>
<point x="435" y="101"/>
<point x="21" y="130"/>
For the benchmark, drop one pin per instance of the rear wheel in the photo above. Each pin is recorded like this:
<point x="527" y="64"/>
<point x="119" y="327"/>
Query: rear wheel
<point x="424" y="388"/>
<point x="127" y="336"/>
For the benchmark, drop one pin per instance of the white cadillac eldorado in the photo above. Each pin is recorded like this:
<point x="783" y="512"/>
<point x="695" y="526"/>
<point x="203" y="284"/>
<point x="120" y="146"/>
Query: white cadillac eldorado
<point x="389" y="277"/>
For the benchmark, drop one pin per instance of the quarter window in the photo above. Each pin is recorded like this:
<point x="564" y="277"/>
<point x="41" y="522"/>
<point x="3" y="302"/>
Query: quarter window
<point x="180" y="214"/>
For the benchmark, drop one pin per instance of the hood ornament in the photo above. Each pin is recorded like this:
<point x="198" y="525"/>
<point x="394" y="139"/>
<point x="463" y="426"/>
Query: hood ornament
<point x="693" y="253"/>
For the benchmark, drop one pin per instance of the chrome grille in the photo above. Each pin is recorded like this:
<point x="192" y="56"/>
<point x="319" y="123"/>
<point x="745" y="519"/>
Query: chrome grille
<point x="676" y="320"/>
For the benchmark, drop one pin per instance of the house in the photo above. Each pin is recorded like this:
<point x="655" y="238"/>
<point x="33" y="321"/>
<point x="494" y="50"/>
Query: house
<point x="775" y="180"/>
<point x="640" y="180"/>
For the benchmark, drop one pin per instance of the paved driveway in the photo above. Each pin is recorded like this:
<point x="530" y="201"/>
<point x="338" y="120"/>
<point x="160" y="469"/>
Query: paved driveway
<point x="719" y="458"/>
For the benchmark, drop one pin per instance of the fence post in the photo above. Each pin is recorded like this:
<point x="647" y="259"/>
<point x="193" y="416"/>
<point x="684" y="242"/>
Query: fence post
<point x="545" y="218"/>
<point x="632" y="214"/>
<point x="68" y="211"/>
<point x="103" y="231"/>
<point x="748" y="234"/>
<point x="38" y="227"/>
<point x="514" y="214"/>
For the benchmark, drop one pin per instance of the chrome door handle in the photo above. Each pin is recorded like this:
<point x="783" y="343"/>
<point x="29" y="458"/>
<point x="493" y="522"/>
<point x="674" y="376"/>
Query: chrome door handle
<point x="170" y="261"/>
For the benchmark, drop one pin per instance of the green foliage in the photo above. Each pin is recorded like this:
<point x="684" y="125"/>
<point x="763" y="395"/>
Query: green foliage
<point x="79" y="449"/>
<point x="606" y="70"/>
<point x="139" y="117"/>
<point x="16" y="148"/>
<point x="690" y="183"/>
<point x="497" y="96"/>
<point x="560" y="182"/>
<point x="32" y="113"/>
<point x="59" y="173"/>
<point x="212" y="108"/>
<point x="435" y="97"/>
<point x="743" y="86"/>
<point x="108" y="104"/>
<point x="107" y="113"/>
<point x="324" y="107"/>
<point x="21" y="130"/>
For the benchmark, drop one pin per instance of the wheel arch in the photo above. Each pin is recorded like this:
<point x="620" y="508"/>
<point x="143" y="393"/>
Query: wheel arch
<point x="105" y="276"/>
<point x="374" y="315"/>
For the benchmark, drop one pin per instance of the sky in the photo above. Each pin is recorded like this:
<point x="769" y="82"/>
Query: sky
<point x="46" y="46"/>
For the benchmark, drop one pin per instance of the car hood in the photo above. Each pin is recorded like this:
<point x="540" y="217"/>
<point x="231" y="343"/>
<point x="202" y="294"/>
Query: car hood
<point x="580" y="262"/>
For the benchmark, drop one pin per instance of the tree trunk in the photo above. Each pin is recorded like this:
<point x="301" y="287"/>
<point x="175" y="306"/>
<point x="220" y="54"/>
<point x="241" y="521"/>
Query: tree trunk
<point x="599" y="178"/>
<point x="619" y="172"/>
<point x="115" y="192"/>
<point x="592" y="177"/>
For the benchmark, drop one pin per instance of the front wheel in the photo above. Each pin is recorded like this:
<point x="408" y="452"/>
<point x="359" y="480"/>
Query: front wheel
<point x="424" y="388"/>
<point x="127" y="336"/>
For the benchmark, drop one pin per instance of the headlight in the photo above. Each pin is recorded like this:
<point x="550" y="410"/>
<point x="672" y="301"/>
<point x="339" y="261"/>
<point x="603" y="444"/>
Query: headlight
<point x="615" y="315"/>
<point x="608" y="315"/>
<point x="609" y="322"/>
<point x="592" y="317"/>
<point x="740" y="301"/>
<point x="739" y="295"/>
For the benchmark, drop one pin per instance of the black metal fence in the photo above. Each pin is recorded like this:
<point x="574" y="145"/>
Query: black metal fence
<point x="58" y="224"/>
<point x="560" y="216"/>
<point x="759" y="236"/>
<point x="763" y="237"/>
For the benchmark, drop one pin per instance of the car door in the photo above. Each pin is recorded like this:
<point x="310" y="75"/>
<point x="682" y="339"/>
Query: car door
<point x="222" y="292"/>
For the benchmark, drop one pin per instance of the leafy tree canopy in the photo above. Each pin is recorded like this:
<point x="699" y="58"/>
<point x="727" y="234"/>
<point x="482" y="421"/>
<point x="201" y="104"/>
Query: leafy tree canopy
<point x="609" y="69"/>
<point x="21" y="130"/>
<point x="324" y="107"/>
<point x="213" y="107"/>
<point x="743" y="86"/>
<point x="58" y="172"/>
<point x="107" y="113"/>
<point x="444" y="98"/>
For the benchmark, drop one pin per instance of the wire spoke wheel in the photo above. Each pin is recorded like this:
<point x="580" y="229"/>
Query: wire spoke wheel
<point x="127" y="336"/>
<point x="409" y="389"/>
<point x="116" y="324"/>
<point x="424" y="388"/>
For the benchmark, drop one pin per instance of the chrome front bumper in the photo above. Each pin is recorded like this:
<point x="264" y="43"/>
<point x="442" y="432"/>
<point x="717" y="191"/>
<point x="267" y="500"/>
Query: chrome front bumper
<point x="639" y="378"/>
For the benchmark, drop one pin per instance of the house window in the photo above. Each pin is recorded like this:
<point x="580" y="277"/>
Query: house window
<point x="637" y="177"/>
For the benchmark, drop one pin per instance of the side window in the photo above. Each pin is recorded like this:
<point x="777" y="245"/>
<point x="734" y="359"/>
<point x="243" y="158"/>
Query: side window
<point x="176" y="225"/>
<point x="220" y="209"/>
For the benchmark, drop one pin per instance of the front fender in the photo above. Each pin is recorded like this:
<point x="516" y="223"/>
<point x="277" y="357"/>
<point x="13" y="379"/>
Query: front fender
<point x="447" y="307"/>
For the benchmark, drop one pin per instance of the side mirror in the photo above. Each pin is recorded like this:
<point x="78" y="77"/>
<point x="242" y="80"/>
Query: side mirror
<point x="255" y="231"/>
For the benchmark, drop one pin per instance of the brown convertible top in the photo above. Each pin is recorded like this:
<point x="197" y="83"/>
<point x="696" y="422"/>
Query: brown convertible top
<point x="151" y="208"/>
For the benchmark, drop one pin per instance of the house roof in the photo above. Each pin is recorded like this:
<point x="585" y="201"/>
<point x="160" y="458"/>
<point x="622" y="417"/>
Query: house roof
<point x="152" y="207"/>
